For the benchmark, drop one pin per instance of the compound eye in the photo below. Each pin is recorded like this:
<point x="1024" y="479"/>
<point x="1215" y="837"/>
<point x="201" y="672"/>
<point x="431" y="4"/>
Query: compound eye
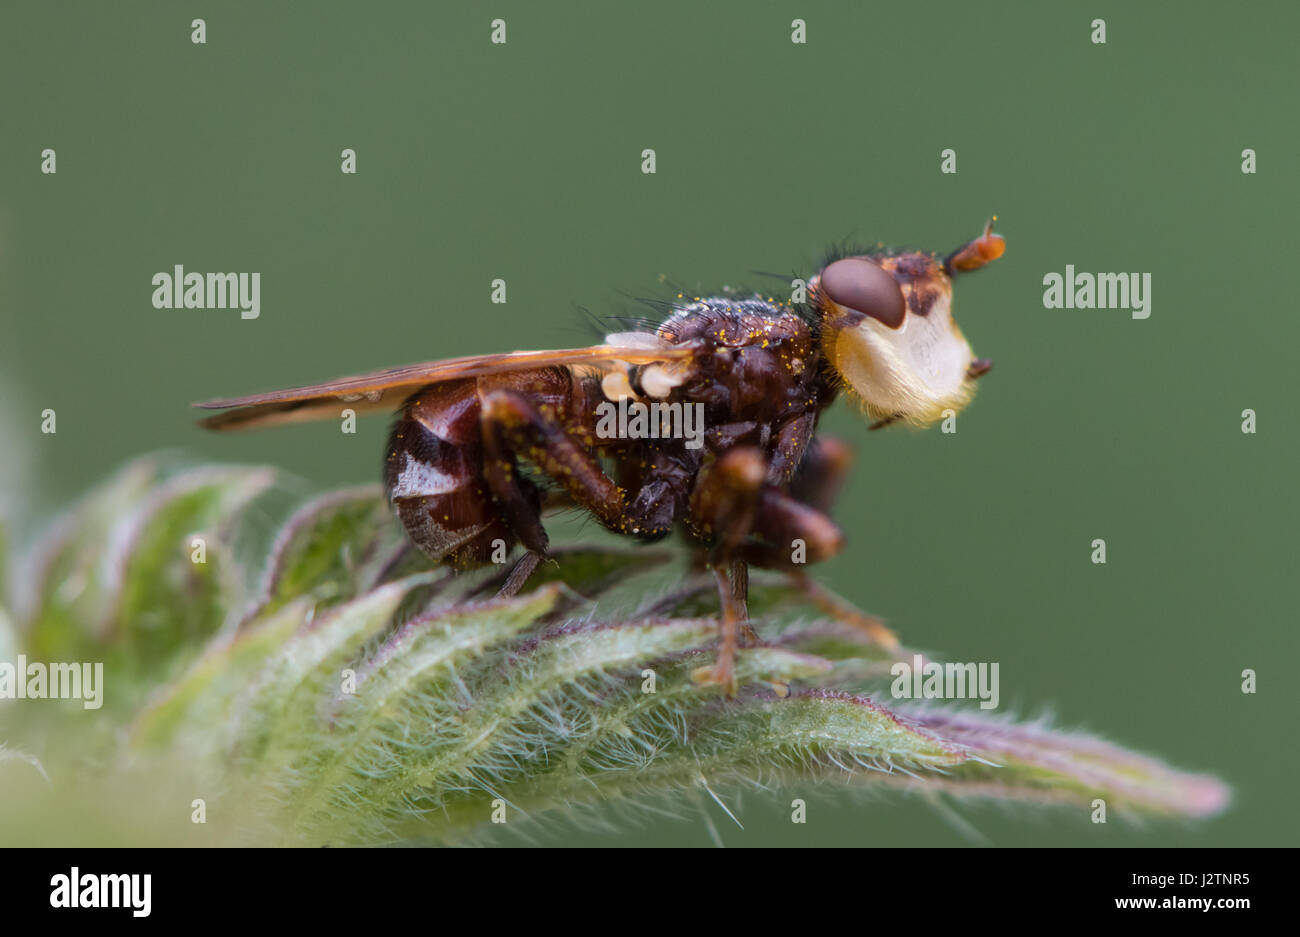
<point x="858" y="284"/>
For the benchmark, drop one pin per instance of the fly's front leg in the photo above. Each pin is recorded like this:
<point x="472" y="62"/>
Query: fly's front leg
<point x="722" y="511"/>
<point x="816" y="484"/>
<point x="513" y="428"/>
<point x="788" y="535"/>
<point x="842" y="611"/>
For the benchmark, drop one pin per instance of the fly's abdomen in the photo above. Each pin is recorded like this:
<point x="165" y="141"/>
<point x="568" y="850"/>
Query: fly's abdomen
<point x="433" y="476"/>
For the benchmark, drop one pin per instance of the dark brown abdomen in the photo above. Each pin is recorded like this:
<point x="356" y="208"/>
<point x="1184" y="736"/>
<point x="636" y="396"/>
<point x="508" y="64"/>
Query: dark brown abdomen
<point x="433" y="476"/>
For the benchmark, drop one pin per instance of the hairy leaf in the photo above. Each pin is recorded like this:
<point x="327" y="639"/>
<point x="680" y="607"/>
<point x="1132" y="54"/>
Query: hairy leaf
<point x="331" y="687"/>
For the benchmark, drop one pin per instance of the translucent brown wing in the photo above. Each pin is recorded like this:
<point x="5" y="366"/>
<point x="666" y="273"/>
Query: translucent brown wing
<point x="387" y="389"/>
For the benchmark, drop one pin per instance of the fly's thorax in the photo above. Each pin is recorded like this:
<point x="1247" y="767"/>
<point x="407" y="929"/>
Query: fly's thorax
<point x="757" y="359"/>
<point x="888" y="332"/>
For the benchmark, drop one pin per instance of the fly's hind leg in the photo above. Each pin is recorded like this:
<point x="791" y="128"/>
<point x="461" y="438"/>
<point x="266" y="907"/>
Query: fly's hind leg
<point x="513" y="428"/>
<point x="722" y="511"/>
<point x="519" y="574"/>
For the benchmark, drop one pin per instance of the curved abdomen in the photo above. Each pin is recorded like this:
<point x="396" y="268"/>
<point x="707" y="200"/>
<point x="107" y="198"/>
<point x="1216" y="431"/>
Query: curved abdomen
<point x="434" y="480"/>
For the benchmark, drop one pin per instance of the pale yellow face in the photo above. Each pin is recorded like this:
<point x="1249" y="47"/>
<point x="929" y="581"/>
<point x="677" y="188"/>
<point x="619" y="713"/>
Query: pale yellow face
<point x="904" y="361"/>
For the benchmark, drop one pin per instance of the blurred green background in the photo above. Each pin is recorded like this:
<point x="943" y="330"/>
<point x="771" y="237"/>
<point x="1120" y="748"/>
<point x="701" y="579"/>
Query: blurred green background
<point x="522" y="161"/>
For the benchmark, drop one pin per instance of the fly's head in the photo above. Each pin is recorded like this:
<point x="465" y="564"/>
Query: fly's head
<point x="887" y="329"/>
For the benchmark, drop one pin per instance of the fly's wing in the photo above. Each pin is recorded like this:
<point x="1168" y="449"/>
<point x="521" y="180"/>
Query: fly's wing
<point x="387" y="389"/>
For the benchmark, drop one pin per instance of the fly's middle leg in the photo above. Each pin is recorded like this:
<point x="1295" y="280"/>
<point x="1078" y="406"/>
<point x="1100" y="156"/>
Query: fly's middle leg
<point x="723" y="508"/>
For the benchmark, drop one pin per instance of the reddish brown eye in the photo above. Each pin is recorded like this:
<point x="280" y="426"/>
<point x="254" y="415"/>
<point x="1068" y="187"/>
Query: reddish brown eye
<point x="858" y="284"/>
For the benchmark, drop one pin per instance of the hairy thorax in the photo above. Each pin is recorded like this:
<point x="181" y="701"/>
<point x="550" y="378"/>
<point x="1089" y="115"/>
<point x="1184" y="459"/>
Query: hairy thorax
<point x="760" y="362"/>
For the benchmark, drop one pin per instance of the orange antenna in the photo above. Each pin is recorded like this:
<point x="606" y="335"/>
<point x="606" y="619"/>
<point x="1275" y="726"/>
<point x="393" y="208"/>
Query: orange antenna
<point x="986" y="248"/>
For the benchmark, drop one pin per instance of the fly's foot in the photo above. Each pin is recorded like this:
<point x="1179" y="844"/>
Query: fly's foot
<point x="722" y="673"/>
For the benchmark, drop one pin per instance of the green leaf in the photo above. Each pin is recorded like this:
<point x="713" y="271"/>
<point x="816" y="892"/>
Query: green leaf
<point x="334" y="688"/>
<point x="323" y="550"/>
<point x="117" y="574"/>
